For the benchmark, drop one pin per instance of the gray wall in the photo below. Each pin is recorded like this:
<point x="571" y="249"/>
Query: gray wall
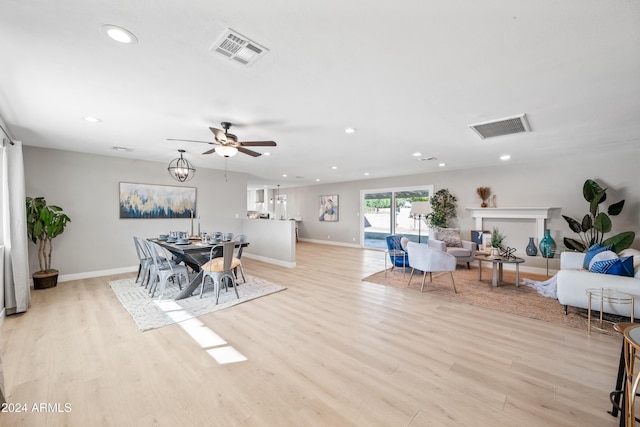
<point x="554" y="183"/>
<point x="86" y="187"/>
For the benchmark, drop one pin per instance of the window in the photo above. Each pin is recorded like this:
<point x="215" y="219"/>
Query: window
<point x="388" y="211"/>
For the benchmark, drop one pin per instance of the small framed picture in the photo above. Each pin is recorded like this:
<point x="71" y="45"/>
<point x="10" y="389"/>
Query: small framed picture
<point x="328" y="208"/>
<point x="477" y="237"/>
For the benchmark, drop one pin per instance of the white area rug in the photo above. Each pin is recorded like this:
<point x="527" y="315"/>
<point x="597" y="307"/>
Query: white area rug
<point x="150" y="313"/>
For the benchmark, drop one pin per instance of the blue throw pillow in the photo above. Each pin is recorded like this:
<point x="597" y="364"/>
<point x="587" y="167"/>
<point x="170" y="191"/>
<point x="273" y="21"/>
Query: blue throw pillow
<point x="593" y="251"/>
<point x="619" y="266"/>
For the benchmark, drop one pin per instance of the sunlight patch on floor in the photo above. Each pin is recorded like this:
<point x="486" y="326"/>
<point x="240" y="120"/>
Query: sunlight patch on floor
<point x="202" y="334"/>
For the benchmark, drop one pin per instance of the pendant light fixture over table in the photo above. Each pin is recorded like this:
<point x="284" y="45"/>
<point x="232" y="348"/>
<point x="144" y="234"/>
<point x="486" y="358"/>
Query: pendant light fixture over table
<point x="181" y="169"/>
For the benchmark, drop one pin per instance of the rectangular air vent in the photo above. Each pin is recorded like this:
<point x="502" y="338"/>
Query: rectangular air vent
<point x="239" y="48"/>
<point x="501" y="127"/>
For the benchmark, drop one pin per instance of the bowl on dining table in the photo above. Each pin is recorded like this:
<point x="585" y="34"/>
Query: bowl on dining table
<point x="163" y="237"/>
<point x="182" y="241"/>
<point x="171" y="239"/>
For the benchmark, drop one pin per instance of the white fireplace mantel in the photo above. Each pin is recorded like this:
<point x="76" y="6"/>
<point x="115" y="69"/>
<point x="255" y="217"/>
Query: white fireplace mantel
<point x="537" y="214"/>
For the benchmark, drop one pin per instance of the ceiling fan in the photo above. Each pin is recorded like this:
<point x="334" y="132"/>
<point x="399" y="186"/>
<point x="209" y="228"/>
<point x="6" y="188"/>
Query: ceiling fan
<point x="227" y="144"/>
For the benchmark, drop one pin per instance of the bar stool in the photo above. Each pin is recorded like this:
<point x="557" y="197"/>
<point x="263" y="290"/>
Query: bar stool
<point x="631" y="345"/>
<point x="619" y="392"/>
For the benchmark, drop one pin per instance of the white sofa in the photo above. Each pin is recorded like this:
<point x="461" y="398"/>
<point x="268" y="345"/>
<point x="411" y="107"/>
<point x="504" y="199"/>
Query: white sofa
<point x="574" y="280"/>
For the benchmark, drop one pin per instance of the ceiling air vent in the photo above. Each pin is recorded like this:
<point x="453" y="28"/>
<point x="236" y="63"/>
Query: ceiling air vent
<point x="239" y="48"/>
<point x="501" y="127"/>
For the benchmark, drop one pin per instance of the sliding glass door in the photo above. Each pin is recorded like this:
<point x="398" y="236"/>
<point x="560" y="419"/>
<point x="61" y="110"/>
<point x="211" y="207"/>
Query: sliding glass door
<point x="393" y="211"/>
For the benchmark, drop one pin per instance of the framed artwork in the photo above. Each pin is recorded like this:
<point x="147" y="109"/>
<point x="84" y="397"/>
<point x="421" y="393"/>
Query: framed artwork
<point x="156" y="201"/>
<point x="477" y="237"/>
<point x="328" y="208"/>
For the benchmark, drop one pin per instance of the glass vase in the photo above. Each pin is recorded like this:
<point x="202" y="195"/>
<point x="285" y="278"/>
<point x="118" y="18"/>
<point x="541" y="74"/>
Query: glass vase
<point x="547" y="245"/>
<point x="531" y="248"/>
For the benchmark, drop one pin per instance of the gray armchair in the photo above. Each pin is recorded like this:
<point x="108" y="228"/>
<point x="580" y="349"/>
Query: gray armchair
<point x="465" y="253"/>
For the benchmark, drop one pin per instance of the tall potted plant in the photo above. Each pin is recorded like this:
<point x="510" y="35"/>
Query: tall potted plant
<point x="44" y="223"/>
<point x="443" y="208"/>
<point x="596" y="223"/>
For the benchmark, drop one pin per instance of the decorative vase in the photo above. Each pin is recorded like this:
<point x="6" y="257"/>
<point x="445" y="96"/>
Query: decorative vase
<point x="547" y="245"/>
<point x="531" y="248"/>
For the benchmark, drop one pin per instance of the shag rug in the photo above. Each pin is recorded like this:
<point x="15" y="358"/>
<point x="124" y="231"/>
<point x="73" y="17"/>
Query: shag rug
<point x="521" y="300"/>
<point x="149" y="313"/>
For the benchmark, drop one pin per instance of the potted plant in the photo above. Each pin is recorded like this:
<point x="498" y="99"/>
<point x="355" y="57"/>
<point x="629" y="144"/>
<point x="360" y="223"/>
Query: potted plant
<point x="443" y="208"/>
<point x="596" y="223"/>
<point x="44" y="223"/>
<point x="496" y="242"/>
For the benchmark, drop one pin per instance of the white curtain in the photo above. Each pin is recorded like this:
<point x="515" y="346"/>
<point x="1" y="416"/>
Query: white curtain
<point x="17" y="286"/>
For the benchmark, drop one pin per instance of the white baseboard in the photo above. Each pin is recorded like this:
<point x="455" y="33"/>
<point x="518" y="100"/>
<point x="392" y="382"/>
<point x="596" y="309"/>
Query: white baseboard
<point x="328" y="242"/>
<point x="3" y="315"/>
<point x="279" y="262"/>
<point x="98" y="273"/>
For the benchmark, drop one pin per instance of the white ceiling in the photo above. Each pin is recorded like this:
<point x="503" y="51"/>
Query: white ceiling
<point x="409" y="75"/>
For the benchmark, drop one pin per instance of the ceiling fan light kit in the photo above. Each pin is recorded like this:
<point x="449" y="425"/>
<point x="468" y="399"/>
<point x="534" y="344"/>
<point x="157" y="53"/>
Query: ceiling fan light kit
<point x="181" y="169"/>
<point x="226" y="151"/>
<point x="227" y="145"/>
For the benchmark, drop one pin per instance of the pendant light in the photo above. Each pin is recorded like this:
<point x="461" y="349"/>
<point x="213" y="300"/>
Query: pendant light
<point x="181" y="169"/>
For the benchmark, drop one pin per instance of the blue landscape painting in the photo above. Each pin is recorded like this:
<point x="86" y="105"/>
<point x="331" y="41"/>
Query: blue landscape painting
<point x="156" y="201"/>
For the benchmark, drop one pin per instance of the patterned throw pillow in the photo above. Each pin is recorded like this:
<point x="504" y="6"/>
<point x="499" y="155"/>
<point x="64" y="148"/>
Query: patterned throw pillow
<point x="603" y="256"/>
<point x="450" y="237"/>
<point x="619" y="266"/>
<point x="593" y="251"/>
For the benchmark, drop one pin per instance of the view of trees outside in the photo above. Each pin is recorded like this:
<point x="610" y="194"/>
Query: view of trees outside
<point x="378" y="216"/>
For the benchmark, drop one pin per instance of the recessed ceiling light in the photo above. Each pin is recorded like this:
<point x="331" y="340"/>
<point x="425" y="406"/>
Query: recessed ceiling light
<point x="334" y="167"/>
<point x="350" y="130"/>
<point x="505" y="157"/>
<point x="284" y="175"/>
<point x="417" y="154"/>
<point x="119" y="34"/>
<point x="442" y="164"/>
<point x="317" y="179"/>
<point x="92" y="119"/>
<point x="266" y="154"/>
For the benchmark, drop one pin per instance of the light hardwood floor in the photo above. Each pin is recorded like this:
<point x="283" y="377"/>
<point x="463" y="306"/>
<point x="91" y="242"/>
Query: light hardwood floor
<point x="331" y="350"/>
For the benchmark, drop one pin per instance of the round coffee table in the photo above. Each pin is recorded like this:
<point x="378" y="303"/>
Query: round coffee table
<point x="497" y="264"/>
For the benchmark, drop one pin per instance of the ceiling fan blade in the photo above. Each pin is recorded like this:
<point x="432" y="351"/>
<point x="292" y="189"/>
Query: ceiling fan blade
<point x="258" y="143"/>
<point x="220" y="135"/>
<point x="189" y="140"/>
<point x="249" y="152"/>
<point x="213" y="150"/>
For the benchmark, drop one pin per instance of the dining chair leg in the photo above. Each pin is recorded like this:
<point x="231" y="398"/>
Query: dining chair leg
<point x="204" y="276"/>
<point x="424" y="276"/>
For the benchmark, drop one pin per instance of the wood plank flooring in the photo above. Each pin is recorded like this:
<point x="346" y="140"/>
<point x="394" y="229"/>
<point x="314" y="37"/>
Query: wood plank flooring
<point x="331" y="350"/>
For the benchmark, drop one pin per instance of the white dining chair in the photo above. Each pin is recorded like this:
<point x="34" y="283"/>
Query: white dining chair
<point x="240" y="238"/>
<point x="145" y="260"/>
<point x="220" y="270"/>
<point x="164" y="270"/>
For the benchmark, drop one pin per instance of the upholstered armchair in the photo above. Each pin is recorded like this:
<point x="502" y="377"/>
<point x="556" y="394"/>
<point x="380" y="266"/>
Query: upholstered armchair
<point x="427" y="259"/>
<point x="448" y="240"/>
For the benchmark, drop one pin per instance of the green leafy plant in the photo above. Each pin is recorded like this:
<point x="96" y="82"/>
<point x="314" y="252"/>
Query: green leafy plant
<point x="443" y="208"/>
<point x="44" y="223"/>
<point x="496" y="238"/>
<point x="596" y="224"/>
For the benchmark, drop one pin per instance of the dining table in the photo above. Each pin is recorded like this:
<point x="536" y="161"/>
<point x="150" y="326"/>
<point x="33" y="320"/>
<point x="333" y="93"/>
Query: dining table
<point x="194" y="254"/>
